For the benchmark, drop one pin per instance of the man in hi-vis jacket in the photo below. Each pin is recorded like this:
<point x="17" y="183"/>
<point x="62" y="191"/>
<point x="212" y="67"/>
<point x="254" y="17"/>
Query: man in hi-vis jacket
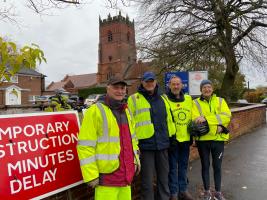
<point x="154" y="126"/>
<point x="107" y="145"/>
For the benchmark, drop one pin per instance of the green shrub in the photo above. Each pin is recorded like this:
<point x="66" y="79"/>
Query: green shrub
<point x="96" y="90"/>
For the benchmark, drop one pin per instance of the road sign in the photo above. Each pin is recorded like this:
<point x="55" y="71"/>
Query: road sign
<point x="191" y="80"/>
<point x="38" y="154"/>
<point x="182" y="75"/>
<point x="195" y="79"/>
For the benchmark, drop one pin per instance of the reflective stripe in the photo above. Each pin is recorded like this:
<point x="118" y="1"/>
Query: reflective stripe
<point x="142" y="110"/>
<point x="105" y="137"/>
<point x="133" y="135"/>
<point x="131" y="114"/>
<point x="91" y="159"/>
<point x="107" y="156"/>
<point x="198" y="107"/>
<point x="105" y="120"/>
<point x="226" y="114"/>
<point x="219" y="119"/>
<point x="143" y="123"/>
<point x="136" y="154"/>
<point x="134" y="102"/>
<point x="91" y="143"/>
<point x="220" y="104"/>
<point x="108" y="139"/>
<point x="87" y="160"/>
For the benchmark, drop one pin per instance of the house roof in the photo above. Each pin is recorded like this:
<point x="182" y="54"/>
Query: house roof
<point x="27" y="71"/>
<point x="55" y="85"/>
<point x="83" y="80"/>
<point x="78" y="81"/>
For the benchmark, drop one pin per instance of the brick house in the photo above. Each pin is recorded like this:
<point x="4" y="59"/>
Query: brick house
<point x="72" y="83"/>
<point x="22" y="88"/>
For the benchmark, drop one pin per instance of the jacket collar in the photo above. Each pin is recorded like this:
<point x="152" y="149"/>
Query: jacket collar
<point x="145" y="93"/>
<point x="211" y="97"/>
<point x="173" y="98"/>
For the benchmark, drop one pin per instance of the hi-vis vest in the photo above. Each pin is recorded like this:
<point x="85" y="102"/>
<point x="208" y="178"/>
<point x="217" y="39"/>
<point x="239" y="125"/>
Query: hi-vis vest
<point x="140" y="108"/>
<point x="99" y="142"/>
<point x="182" y="114"/>
<point x="216" y="112"/>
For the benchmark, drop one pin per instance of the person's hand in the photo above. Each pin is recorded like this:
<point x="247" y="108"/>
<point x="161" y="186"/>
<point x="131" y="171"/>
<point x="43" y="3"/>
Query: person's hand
<point x="93" y="183"/>
<point x="200" y="120"/>
<point x="219" y="129"/>
<point x="137" y="169"/>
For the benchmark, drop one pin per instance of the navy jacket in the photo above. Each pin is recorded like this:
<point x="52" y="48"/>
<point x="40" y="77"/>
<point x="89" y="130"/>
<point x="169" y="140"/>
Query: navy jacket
<point x="160" y="139"/>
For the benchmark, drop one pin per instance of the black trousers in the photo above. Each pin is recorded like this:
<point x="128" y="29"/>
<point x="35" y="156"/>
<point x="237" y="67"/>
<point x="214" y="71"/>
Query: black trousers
<point x="154" y="161"/>
<point x="216" y="149"/>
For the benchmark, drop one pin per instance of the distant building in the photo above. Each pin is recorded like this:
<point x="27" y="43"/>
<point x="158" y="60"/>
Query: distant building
<point x="116" y="55"/>
<point x="22" y="88"/>
<point x="117" y="51"/>
<point x="72" y="83"/>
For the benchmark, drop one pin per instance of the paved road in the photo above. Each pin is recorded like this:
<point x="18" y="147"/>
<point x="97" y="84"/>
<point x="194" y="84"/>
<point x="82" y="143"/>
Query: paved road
<point x="244" y="168"/>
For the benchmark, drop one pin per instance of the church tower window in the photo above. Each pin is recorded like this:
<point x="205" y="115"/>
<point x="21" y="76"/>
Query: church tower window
<point x="110" y="36"/>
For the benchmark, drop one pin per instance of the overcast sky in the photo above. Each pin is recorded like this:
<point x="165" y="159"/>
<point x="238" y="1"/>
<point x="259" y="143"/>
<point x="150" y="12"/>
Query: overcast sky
<point x="69" y="38"/>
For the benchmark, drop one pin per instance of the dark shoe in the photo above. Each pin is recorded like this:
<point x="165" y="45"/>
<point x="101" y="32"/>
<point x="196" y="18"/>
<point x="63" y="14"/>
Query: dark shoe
<point x="185" y="196"/>
<point x="218" y="196"/>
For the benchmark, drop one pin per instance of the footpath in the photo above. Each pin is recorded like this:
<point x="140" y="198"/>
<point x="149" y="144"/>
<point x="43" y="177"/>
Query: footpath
<point x="244" y="174"/>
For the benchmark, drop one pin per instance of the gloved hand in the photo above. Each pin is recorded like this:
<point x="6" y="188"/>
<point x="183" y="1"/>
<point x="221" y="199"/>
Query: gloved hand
<point x="222" y="129"/>
<point x="219" y="129"/>
<point x="137" y="169"/>
<point x="93" y="183"/>
<point x="200" y="120"/>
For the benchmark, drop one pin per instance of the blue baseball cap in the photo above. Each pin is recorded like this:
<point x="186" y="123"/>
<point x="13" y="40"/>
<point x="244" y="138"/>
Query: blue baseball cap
<point x="148" y="76"/>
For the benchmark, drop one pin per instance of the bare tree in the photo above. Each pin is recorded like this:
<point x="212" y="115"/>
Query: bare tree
<point x="8" y="9"/>
<point x="186" y="31"/>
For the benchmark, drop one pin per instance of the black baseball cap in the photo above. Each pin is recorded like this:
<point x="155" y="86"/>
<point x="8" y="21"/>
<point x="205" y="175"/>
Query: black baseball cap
<point x="116" y="80"/>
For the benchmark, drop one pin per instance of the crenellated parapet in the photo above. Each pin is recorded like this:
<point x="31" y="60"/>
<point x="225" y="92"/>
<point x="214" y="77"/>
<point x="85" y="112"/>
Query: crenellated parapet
<point x="119" y="18"/>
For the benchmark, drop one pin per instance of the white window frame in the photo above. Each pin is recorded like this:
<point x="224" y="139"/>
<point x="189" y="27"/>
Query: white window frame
<point x="13" y="79"/>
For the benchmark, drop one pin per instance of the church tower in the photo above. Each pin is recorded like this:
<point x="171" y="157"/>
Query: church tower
<point x="117" y="48"/>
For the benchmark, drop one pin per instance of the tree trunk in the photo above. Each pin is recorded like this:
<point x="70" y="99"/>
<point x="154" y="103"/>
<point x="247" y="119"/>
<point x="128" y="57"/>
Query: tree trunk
<point x="230" y="74"/>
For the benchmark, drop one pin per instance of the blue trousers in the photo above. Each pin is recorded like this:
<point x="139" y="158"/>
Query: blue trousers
<point x="178" y="162"/>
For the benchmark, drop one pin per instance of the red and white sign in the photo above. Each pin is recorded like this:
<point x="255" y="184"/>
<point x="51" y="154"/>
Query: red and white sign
<point x="38" y="154"/>
<point x="195" y="78"/>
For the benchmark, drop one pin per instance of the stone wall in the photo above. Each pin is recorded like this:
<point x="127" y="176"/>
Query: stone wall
<point x="244" y="120"/>
<point x="18" y="109"/>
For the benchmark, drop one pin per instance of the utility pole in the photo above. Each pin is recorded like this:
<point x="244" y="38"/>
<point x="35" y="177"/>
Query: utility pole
<point x="248" y="88"/>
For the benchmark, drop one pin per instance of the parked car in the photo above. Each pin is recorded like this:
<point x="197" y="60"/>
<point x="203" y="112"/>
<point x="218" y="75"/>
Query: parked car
<point x="264" y="101"/>
<point x="91" y="99"/>
<point x="42" y="101"/>
<point x="242" y="101"/>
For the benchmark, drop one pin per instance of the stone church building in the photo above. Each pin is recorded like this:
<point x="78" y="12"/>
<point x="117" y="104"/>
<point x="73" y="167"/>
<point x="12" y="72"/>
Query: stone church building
<point x="116" y="55"/>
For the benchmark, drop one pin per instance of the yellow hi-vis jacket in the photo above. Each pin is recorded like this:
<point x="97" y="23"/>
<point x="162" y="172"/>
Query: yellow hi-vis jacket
<point x="216" y="112"/>
<point x="140" y="108"/>
<point x="99" y="142"/>
<point x="182" y="114"/>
